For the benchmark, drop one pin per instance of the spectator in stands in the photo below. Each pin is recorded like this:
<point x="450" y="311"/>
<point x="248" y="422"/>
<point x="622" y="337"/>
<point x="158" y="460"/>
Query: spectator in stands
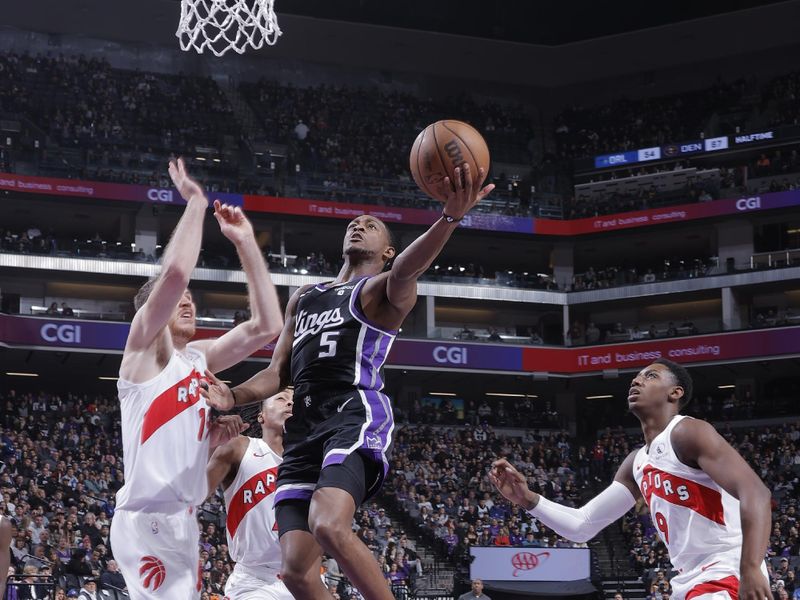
<point x="476" y="593"/>
<point x="89" y="590"/>
<point x="52" y="309"/>
<point x="66" y="310"/>
<point x="592" y="334"/>
<point x="111" y="577"/>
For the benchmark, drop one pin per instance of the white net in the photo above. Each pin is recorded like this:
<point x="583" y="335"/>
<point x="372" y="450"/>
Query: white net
<point x="222" y="25"/>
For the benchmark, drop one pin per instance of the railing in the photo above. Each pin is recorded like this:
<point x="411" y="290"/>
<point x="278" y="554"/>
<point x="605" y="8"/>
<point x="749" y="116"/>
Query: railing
<point x="776" y="259"/>
<point x="19" y="586"/>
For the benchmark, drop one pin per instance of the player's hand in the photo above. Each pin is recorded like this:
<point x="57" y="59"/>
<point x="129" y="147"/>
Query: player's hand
<point x="187" y="187"/>
<point x="217" y="394"/>
<point x="232" y="222"/>
<point x="753" y="585"/>
<point x="461" y="196"/>
<point x="512" y="484"/>
<point x="225" y="428"/>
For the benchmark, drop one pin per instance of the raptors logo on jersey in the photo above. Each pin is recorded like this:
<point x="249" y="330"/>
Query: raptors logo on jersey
<point x="335" y="345"/>
<point x="249" y="502"/>
<point x="152" y="572"/>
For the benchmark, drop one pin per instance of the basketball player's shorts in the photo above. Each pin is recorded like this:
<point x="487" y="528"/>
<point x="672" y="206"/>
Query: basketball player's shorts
<point x="249" y="584"/>
<point x="339" y="439"/>
<point x="716" y="580"/>
<point x="157" y="553"/>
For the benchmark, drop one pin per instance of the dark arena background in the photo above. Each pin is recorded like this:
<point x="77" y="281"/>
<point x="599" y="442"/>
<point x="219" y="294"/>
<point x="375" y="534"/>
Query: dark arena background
<point x="647" y="164"/>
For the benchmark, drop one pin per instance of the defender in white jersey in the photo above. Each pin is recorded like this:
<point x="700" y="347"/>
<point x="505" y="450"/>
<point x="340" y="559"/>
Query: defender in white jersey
<point x="167" y="430"/>
<point x="711" y="510"/>
<point x="247" y="468"/>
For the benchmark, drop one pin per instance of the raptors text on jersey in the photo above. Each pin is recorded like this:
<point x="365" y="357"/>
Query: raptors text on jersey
<point x="249" y="502"/>
<point x="697" y="520"/>
<point x="165" y="424"/>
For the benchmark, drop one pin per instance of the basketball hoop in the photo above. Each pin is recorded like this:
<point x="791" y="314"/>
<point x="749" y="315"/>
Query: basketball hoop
<point x="222" y="25"/>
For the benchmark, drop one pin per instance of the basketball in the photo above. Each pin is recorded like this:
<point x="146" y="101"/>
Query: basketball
<point x="440" y="148"/>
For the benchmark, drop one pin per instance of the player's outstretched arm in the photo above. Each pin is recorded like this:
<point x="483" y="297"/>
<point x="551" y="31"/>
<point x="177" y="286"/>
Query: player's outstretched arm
<point x="698" y="444"/>
<point x="265" y="383"/>
<point x="411" y="263"/>
<point x="266" y="319"/>
<point x="224" y="462"/>
<point x="576" y="524"/>
<point x="5" y="553"/>
<point x="180" y="258"/>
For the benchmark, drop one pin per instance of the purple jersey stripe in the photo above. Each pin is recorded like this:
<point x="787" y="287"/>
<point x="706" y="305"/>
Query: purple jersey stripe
<point x="369" y="347"/>
<point x="378" y="360"/>
<point x="355" y="308"/>
<point x="294" y="494"/>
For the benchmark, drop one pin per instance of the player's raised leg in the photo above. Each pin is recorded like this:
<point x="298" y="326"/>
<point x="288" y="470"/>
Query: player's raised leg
<point x="330" y="518"/>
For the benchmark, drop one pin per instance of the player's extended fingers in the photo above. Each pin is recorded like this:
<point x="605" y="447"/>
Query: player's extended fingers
<point x="468" y="182"/>
<point x="501" y="463"/>
<point x="459" y="182"/>
<point x="486" y="191"/>
<point x="448" y="185"/>
<point x="211" y="377"/>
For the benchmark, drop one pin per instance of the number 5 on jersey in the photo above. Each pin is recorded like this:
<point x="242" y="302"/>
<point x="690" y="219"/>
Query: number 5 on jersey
<point x="327" y="344"/>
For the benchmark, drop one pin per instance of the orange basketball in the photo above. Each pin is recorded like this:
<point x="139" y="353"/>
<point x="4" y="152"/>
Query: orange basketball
<point x="440" y="148"/>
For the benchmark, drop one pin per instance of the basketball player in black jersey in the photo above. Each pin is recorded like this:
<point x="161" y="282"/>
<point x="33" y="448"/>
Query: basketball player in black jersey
<point x="333" y="345"/>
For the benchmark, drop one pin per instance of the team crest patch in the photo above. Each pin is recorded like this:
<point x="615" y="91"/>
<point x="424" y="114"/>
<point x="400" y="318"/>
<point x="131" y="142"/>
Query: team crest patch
<point x="152" y="572"/>
<point x="373" y="442"/>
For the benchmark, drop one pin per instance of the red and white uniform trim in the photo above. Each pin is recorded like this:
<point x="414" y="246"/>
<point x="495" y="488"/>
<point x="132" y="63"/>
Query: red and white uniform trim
<point x="249" y="503"/>
<point x="697" y="520"/>
<point x="165" y="443"/>
<point x="252" y="529"/>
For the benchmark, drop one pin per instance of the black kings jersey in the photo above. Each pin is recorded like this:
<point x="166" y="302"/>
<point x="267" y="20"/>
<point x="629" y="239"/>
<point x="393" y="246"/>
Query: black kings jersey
<point x="335" y="346"/>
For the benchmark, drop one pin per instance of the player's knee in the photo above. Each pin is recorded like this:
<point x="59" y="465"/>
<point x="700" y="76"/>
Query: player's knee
<point x="330" y="533"/>
<point x="296" y="578"/>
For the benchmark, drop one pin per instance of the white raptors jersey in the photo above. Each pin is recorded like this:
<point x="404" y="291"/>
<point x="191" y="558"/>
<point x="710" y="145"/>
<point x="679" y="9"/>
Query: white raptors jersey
<point x="250" y="505"/>
<point x="165" y="424"/>
<point x="698" y="520"/>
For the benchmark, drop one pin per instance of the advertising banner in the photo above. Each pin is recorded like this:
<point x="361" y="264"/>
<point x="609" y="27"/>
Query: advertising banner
<point x="529" y="564"/>
<point x="438" y="354"/>
<point x="408" y="216"/>
<point x="100" y="190"/>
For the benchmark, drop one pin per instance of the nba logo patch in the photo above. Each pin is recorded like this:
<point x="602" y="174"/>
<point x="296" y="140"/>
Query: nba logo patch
<point x="154" y="527"/>
<point x="307" y="400"/>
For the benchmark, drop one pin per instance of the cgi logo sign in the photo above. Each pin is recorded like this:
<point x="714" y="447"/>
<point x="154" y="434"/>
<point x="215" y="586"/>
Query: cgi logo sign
<point x="453" y="355"/>
<point x="748" y="203"/>
<point x="68" y="334"/>
<point x="156" y="195"/>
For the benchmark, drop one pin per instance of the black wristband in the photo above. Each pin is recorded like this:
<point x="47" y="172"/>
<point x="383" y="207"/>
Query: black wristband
<point x="450" y="219"/>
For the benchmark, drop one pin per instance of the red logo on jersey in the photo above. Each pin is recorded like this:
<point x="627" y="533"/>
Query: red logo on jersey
<point x="527" y="561"/>
<point x="682" y="492"/>
<point x="253" y="491"/>
<point x="152" y="572"/>
<point x="171" y="402"/>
